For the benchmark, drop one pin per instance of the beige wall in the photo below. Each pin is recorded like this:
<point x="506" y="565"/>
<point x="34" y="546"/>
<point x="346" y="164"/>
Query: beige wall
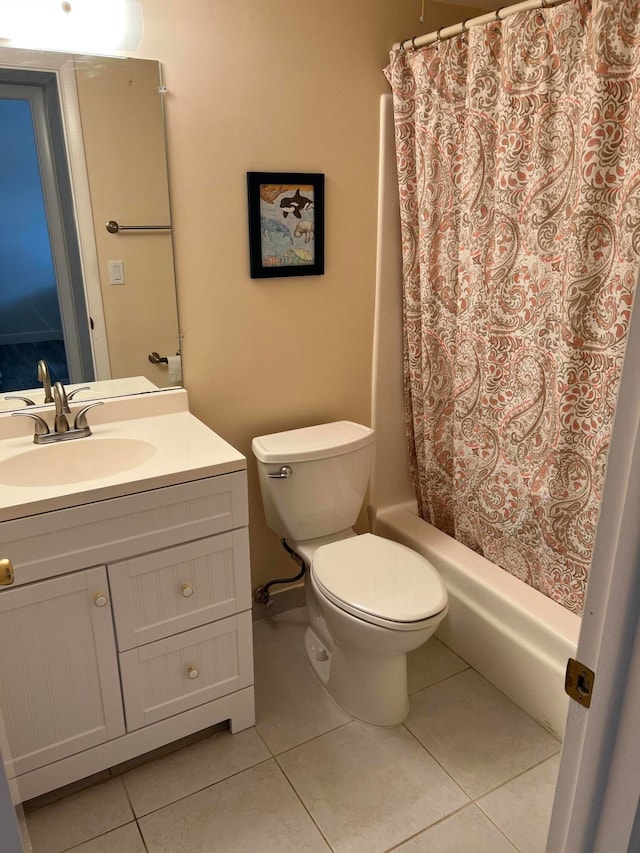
<point x="275" y="86"/>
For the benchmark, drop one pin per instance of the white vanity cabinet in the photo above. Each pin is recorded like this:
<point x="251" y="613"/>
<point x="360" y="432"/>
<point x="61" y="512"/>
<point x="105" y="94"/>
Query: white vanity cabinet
<point x="128" y="626"/>
<point x="176" y="650"/>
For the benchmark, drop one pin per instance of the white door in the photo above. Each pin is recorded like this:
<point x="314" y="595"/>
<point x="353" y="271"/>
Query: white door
<point x="596" y="808"/>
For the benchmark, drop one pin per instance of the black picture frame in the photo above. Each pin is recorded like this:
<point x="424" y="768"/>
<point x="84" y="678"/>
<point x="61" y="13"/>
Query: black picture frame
<point x="286" y="223"/>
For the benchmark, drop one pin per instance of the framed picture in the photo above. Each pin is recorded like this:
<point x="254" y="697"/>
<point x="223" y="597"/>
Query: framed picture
<point x="286" y="224"/>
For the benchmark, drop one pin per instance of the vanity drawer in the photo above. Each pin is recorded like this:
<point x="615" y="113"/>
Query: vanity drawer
<point x="180" y="588"/>
<point x="69" y="539"/>
<point x="172" y="675"/>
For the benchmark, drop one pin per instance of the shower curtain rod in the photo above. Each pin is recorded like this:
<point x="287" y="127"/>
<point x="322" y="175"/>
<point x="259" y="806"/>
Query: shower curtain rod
<point x="455" y="29"/>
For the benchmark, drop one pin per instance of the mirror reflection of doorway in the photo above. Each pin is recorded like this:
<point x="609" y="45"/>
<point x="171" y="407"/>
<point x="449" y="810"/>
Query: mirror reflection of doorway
<point x="42" y="306"/>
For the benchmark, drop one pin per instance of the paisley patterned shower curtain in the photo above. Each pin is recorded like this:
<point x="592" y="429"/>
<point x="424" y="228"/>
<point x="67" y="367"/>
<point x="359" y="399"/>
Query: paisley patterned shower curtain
<point x="518" y="150"/>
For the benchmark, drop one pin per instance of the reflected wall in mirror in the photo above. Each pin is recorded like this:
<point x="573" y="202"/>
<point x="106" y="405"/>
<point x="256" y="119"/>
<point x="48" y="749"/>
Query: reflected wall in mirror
<point x="83" y="137"/>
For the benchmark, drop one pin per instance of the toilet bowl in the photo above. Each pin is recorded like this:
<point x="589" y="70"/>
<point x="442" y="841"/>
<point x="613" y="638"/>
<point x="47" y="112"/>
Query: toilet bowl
<point x="370" y="600"/>
<point x="378" y="601"/>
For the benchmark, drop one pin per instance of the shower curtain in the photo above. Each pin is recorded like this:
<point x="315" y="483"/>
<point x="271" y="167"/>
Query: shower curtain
<point x="518" y="151"/>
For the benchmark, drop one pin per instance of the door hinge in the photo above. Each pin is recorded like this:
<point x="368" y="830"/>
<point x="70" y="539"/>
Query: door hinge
<point x="578" y="682"/>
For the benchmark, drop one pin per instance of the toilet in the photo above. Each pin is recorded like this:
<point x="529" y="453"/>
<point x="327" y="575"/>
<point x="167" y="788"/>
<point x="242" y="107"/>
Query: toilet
<point x="370" y="600"/>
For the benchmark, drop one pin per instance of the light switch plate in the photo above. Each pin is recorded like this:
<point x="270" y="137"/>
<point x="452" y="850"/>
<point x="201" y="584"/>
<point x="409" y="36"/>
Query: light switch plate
<point x="116" y="272"/>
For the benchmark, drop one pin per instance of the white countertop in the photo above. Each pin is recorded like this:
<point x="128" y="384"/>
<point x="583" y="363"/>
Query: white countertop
<point x="185" y="450"/>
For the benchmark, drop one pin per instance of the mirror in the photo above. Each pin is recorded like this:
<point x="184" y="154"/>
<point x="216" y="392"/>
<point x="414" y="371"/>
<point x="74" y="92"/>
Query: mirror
<point x="97" y="131"/>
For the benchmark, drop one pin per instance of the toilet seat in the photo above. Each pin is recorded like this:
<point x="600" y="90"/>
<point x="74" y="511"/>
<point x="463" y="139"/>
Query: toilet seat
<point x="379" y="581"/>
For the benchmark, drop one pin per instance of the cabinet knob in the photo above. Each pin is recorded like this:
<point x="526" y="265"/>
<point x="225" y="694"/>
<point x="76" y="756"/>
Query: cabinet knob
<point x="6" y="572"/>
<point x="186" y="590"/>
<point x="101" y="599"/>
<point x="192" y="671"/>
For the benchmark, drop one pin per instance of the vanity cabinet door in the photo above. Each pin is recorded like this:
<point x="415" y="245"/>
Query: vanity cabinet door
<point x="59" y="685"/>
<point x="180" y="588"/>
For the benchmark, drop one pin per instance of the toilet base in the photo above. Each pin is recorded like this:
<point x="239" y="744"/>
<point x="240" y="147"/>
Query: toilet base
<point x="369" y="687"/>
<point x="318" y="656"/>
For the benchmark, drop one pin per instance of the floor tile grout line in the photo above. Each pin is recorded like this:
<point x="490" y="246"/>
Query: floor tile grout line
<point x="316" y="737"/>
<point x="513" y="778"/>
<point x="476" y="802"/>
<point x="453" y="652"/>
<point x="271" y="757"/>
<point x="470" y="801"/>
<point x="518" y="775"/>
<point x="472" y="798"/>
<point x="141" y="834"/>
<point x="440" y="680"/>
<point x="263" y="741"/>
<point x="494" y="824"/>
<point x="304" y="805"/>
<point x="504" y="784"/>
<point x="438" y="762"/>
<point x="99" y="835"/>
<point x="205" y="787"/>
<point x="447" y="678"/>
<point x="126" y="793"/>
<point x="504" y="696"/>
<point x="431" y="826"/>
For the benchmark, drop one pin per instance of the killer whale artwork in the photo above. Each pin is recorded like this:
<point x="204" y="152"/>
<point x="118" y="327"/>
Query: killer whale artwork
<point x="286" y="234"/>
<point x="295" y="204"/>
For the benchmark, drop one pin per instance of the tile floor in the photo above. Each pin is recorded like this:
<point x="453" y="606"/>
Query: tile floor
<point x="468" y="772"/>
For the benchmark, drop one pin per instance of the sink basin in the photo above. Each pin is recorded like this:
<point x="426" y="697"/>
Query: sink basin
<point x="138" y="443"/>
<point x="74" y="461"/>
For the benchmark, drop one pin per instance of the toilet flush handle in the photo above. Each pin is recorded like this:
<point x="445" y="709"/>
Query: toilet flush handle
<point x="283" y="474"/>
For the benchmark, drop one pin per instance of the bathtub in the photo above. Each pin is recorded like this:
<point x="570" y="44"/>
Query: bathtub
<point x="517" y="638"/>
<point x="513" y="635"/>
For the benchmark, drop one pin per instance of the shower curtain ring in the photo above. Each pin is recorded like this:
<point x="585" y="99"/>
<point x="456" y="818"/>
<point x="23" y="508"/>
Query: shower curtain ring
<point x="497" y="15"/>
<point x="465" y="28"/>
<point x="413" y="42"/>
<point x="438" y="36"/>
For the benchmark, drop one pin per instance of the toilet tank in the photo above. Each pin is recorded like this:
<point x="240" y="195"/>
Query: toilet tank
<point x="330" y="466"/>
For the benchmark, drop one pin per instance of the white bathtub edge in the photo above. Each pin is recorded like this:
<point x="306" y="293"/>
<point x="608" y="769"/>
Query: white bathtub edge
<point x="514" y="636"/>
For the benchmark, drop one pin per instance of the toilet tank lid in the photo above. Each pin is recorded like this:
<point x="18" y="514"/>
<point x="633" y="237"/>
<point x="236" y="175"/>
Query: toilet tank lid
<point x="314" y="442"/>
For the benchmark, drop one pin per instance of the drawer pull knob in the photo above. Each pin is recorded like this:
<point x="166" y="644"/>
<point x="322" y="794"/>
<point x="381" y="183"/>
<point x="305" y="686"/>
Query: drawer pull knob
<point x="101" y="599"/>
<point x="186" y="590"/>
<point x="192" y="672"/>
<point x="6" y="572"/>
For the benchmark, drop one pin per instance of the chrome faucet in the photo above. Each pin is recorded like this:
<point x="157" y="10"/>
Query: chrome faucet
<point x="61" y="424"/>
<point x="62" y="430"/>
<point x="45" y="378"/>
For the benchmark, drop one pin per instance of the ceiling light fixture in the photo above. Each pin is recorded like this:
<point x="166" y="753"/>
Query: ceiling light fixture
<point x="91" y="26"/>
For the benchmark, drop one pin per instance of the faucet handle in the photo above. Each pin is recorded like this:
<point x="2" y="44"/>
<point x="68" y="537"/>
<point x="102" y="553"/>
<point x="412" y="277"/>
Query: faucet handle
<point x="72" y="394"/>
<point x="26" y="400"/>
<point x="80" y="421"/>
<point x="41" y="427"/>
